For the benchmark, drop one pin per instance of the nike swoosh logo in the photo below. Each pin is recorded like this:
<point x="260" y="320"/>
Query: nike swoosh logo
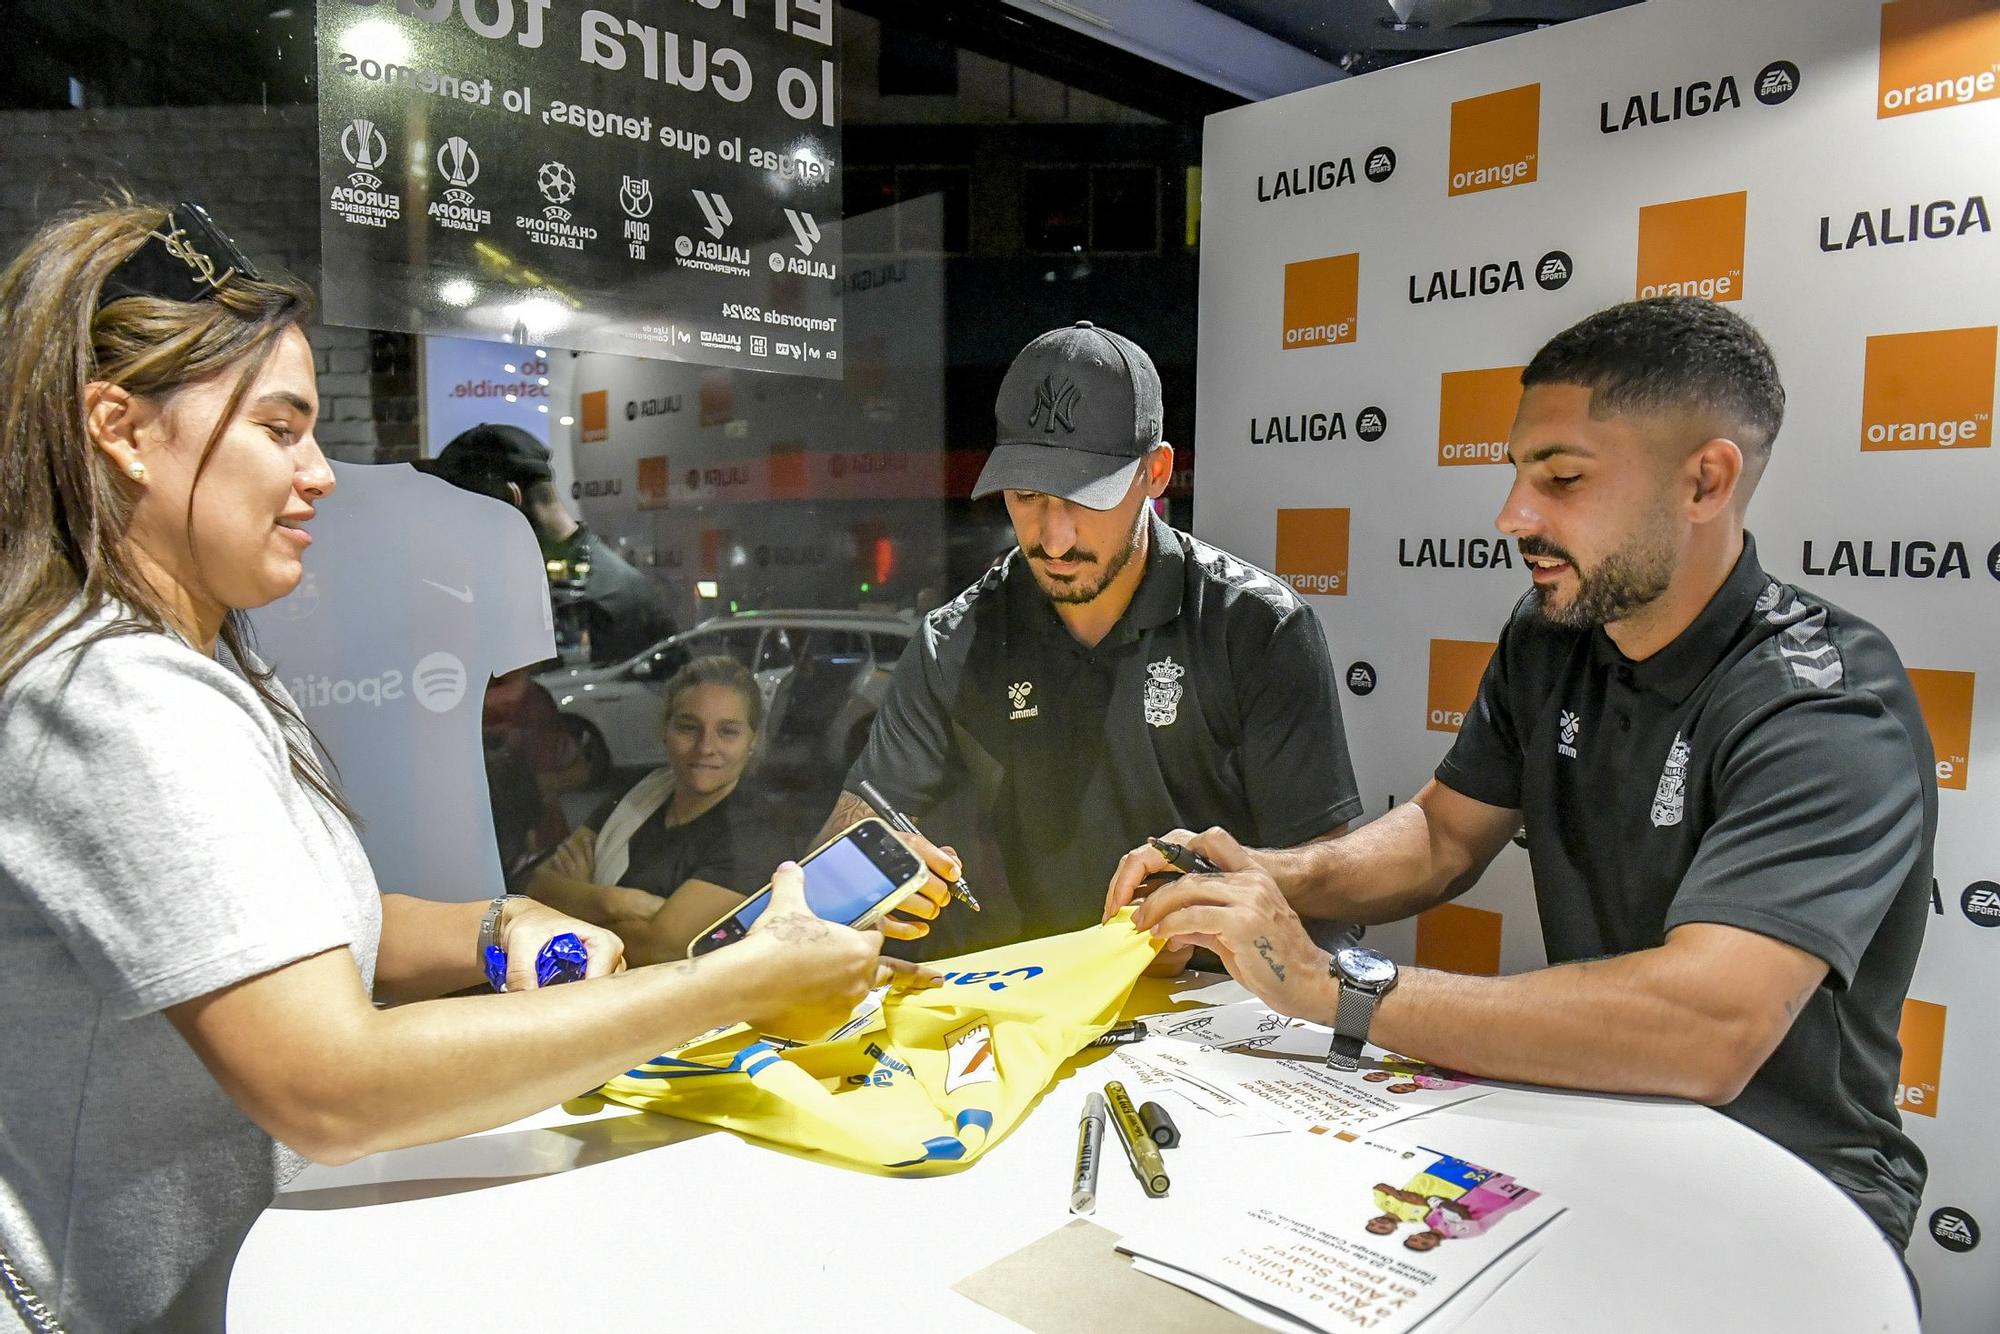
<point x="462" y="594"/>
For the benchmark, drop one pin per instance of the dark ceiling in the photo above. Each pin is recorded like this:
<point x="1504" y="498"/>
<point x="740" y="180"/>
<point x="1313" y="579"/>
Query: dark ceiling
<point x="63" y="53"/>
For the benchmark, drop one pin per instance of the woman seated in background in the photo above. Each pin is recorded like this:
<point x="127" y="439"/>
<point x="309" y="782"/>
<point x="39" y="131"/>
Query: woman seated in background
<point x="690" y="841"/>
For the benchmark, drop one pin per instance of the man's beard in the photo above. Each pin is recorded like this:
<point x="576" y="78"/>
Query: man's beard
<point x="1626" y="581"/>
<point x="1075" y="592"/>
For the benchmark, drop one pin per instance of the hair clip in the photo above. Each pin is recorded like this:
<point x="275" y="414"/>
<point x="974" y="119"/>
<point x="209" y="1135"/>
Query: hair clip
<point x="189" y="261"/>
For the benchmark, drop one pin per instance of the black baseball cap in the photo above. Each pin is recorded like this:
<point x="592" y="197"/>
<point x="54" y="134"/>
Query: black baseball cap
<point x="1078" y="411"/>
<point x="492" y="452"/>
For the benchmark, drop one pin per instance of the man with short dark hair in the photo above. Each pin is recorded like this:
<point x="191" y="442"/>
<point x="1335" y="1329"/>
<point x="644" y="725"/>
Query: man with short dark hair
<point x="1110" y="675"/>
<point x="1727" y="786"/>
<point x="603" y="606"/>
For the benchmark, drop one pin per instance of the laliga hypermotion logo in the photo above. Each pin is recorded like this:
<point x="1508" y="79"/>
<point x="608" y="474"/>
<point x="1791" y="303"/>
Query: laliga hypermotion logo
<point x="362" y="144"/>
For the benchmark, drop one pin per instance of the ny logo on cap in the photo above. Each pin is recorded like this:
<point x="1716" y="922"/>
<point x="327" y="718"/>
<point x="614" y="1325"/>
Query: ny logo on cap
<point x="1054" y="407"/>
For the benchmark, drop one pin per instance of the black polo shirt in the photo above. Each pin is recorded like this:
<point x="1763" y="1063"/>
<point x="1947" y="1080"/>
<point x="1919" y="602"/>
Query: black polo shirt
<point x="1210" y="702"/>
<point x="1769" y="770"/>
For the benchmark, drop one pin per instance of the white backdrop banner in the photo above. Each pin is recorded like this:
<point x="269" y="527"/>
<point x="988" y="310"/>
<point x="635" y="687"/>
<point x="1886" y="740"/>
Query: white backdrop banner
<point x="1380" y="258"/>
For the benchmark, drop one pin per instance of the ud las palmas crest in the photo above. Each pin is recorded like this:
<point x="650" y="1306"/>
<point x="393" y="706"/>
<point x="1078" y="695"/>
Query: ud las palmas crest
<point x="1163" y="691"/>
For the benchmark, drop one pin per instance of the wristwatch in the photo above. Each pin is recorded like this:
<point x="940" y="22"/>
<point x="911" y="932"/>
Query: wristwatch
<point x="1365" y="977"/>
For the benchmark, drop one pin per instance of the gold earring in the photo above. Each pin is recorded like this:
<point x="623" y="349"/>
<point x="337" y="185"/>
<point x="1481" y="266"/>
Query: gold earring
<point x="136" y="471"/>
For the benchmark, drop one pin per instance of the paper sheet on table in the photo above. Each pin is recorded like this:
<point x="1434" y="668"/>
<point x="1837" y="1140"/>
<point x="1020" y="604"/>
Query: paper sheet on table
<point x="1254" y="1092"/>
<point x="1380" y="1234"/>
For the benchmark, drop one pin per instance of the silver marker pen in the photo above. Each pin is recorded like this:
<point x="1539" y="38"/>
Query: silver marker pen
<point x="1089" y="1148"/>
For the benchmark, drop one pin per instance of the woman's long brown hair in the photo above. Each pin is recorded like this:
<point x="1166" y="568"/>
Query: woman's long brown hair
<point x="64" y="509"/>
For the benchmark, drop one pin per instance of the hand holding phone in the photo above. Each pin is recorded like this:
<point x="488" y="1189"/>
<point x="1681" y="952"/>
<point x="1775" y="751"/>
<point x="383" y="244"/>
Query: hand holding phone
<point x="798" y="976"/>
<point x="853" y="879"/>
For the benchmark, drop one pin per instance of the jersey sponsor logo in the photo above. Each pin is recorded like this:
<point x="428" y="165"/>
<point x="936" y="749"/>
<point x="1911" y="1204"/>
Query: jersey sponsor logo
<point x="1361" y="678"/>
<point x="1455" y="553"/>
<point x="1773" y="86"/>
<point x="437" y="682"/>
<point x="1322" y="301"/>
<point x="1693" y="247"/>
<point x="1929" y="390"/>
<point x="1163" y="691"/>
<point x="1922" y="1036"/>
<point x="1317" y="427"/>
<point x="1456" y="665"/>
<point x="1475" y="414"/>
<point x="1327" y="174"/>
<point x="1954" y="1229"/>
<point x="1458" y="939"/>
<point x="1018" y="693"/>
<point x="1312" y="550"/>
<point x="1568" y="728"/>
<point x="969" y="1057"/>
<point x="1670" y="796"/>
<point x="1938" y="220"/>
<point x="1899" y="558"/>
<point x="1495" y="140"/>
<point x="1981" y="903"/>
<point x="1945" y="700"/>
<point x="1493" y="278"/>
<point x="1937" y="54"/>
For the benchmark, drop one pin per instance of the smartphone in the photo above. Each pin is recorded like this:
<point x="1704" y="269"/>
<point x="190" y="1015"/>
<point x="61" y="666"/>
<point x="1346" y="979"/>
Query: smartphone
<point x="853" y="879"/>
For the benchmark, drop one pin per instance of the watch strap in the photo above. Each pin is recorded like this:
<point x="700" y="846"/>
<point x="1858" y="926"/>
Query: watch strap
<point x="489" y="942"/>
<point x="1351" y="1017"/>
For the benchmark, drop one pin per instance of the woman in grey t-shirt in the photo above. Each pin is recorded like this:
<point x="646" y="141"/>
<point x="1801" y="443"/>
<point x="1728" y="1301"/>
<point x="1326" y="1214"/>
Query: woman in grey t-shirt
<point x="191" y="942"/>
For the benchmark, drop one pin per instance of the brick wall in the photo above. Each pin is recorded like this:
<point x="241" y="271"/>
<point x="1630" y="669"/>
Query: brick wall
<point x="257" y="171"/>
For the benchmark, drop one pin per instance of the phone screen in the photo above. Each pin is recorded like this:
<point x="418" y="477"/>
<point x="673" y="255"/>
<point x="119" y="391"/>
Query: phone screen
<point x="841" y="884"/>
<point x="844" y="881"/>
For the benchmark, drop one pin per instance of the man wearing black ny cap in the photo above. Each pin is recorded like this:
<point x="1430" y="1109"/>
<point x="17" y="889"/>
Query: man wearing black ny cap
<point x="1727" y="786"/>
<point x="598" y="596"/>
<point x="1110" y="676"/>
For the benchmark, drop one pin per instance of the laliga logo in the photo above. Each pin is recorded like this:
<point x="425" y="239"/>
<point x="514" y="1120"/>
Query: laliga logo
<point x="365" y="150"/>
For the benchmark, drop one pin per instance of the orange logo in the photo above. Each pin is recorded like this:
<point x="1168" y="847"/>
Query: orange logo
<point x="1495" y="140"/>
<point x="1458" y="939"/>
<point x="1322" y="301"/>
<point x="1922" y="1036"/>
<point x="593" y="414"/>
<point x="652" y="486"/>
<point x="1475" y="413"/>
<point x="1693" y="247"/>
<point x="718" y="398"/>
<point x="1937" y="53"/>
<point x="1456" y="666"/>
<point x="789" y="472"/>
<point x="1946" y="701"/>
<point x="1312" y="550"/>
<point x="1930" y="390"/>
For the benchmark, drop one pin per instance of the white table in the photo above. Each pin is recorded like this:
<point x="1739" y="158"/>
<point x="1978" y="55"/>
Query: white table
<point x="1680" y="1220"/>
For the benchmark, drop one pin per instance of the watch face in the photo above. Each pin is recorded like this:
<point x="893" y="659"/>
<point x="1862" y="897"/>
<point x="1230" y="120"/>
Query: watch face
<point x="1365" y="966"/>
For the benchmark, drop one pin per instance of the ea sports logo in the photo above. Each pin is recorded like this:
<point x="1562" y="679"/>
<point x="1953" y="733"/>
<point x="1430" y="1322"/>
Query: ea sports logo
<point x="1553" y="270"/>
<point x="1381" y="164"/>
<point x="1981" y="903"/>
<point x="1954" y="1229"/>
<point x="439" y="680"/>
<point x="1361" y="678"/>
<point x="1370" y="424"/>
<point x="1776" y="82"/>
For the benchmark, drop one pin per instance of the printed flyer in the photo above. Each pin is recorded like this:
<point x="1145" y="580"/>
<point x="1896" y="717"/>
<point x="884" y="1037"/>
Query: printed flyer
<point x="1372" y="1234"/>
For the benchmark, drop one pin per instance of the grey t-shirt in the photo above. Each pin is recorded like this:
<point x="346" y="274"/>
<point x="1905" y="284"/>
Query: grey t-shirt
<point x="154" y="847"/>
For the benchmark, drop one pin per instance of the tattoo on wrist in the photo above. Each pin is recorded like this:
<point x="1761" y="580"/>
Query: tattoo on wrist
<point x="1264" y="949"/>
